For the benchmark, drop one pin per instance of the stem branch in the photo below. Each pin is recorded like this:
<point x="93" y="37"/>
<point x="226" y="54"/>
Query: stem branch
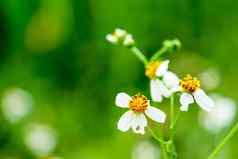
<point x="162" y="143"/>
<point x="159" y="53"/>
<point x="139" y="55"/>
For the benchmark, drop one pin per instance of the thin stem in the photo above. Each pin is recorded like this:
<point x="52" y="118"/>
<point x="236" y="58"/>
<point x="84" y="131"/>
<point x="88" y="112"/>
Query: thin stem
<point x="164" y="152"/>
<point x="157" y="138"/>
<point x="139" y="55"/>
<point x="159" y="53"/>
<point x="161" y="141"/>
<point x="173" y="126"/>
<point x="223" y="142"/>
<point x="171" y="110"/>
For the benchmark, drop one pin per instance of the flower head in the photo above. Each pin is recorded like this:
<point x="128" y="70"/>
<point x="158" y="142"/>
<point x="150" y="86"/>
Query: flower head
<point x="151" y="69"/>
<point x="189" y="84"/>
<point x="139" y="103"/>
<point x="162" y="81"/>
<point x="139" y="106"/>
<point x="191" y="91"/>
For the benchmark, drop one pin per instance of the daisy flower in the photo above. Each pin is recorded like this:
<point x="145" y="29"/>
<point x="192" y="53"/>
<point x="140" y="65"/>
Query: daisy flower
<point x="191" y="91"/>
<point x="134" y="118"/>
<point x="162" y="81"/>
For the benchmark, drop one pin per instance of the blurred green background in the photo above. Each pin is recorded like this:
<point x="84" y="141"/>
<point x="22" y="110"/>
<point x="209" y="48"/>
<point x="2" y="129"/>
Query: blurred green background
<point x="57" y="52"/>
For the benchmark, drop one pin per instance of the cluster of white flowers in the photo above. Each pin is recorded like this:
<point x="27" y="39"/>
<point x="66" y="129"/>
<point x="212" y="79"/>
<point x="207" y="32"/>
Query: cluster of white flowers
<point x="120" y="36"/>
<point x="163" y="84"/>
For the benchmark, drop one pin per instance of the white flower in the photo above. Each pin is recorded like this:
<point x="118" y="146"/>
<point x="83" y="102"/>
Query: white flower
<point x="191" y="91"/>
<point x="16" y="104"/>
<point x="135" y="118"/>
<point x="128" y="41"/>
<point x="40" y="139"/>
<point x="221" y="115"/>
<point x="145" y="150"/>
<point x="116" y="36"/>
<point x="163" y="82"/>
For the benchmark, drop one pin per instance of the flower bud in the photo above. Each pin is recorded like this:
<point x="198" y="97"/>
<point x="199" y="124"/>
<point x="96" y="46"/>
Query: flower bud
<point x="128" y="41"/>
<point x="172" y="45"/>
<point x="112" y="38"/>
<point x="120" y="33"/>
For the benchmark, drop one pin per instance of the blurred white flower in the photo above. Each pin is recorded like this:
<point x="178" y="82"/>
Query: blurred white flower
<point x="40" y="139"/>
<point x="221" y="116"/>
<point x="52" y="157"/>
<point x="210" y="78"/>
<point x="135" y="118"/>
<point x="16" y="103"/>
<point x="145" y="150"/>
<point x="162" y="82"/>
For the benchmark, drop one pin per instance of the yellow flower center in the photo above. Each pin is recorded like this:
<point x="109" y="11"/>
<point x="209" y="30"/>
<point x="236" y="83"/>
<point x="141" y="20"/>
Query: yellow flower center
<point x="150" y="70"/>
<point x="189" y="83"/>
<point x="138" y="103"/>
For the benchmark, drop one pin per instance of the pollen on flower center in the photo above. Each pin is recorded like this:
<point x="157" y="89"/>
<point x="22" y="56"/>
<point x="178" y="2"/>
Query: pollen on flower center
<point x="189" y="83"/>
<point x="138" y="103"/>
<point x="150" y="70"/>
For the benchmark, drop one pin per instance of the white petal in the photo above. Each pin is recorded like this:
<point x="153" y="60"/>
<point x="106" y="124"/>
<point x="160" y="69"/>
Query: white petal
<point x="185" y="100"/>
<point x="112" y="39"/>
<point x="184" y="108"/>
<point x="122" y="100"/>
<point x="175" y="88"/>
<point x="203" y="100"/>
<point x="124" y="122"/>
<point x="156" y="95"/>
<point x="162" y="69"/>
<point x="163" y="89"/>
<point x="155" y="114"/>
<point x="138" y="123"/>
<point x="170" y="80"/>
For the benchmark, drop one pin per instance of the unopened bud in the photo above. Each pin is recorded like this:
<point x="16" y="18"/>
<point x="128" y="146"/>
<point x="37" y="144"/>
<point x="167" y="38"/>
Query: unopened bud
<point x="129" y="40"/>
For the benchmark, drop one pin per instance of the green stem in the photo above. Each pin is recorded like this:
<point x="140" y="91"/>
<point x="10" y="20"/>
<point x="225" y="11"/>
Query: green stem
<point x="139" y="55"/>
<point x="173" y="126"/>
<point x="171" y="110"/>
<point x="159" y="53"/>
<point x="161" y="142"/>
<point x="164" y="152"/>
<point x="223" y="142"/>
